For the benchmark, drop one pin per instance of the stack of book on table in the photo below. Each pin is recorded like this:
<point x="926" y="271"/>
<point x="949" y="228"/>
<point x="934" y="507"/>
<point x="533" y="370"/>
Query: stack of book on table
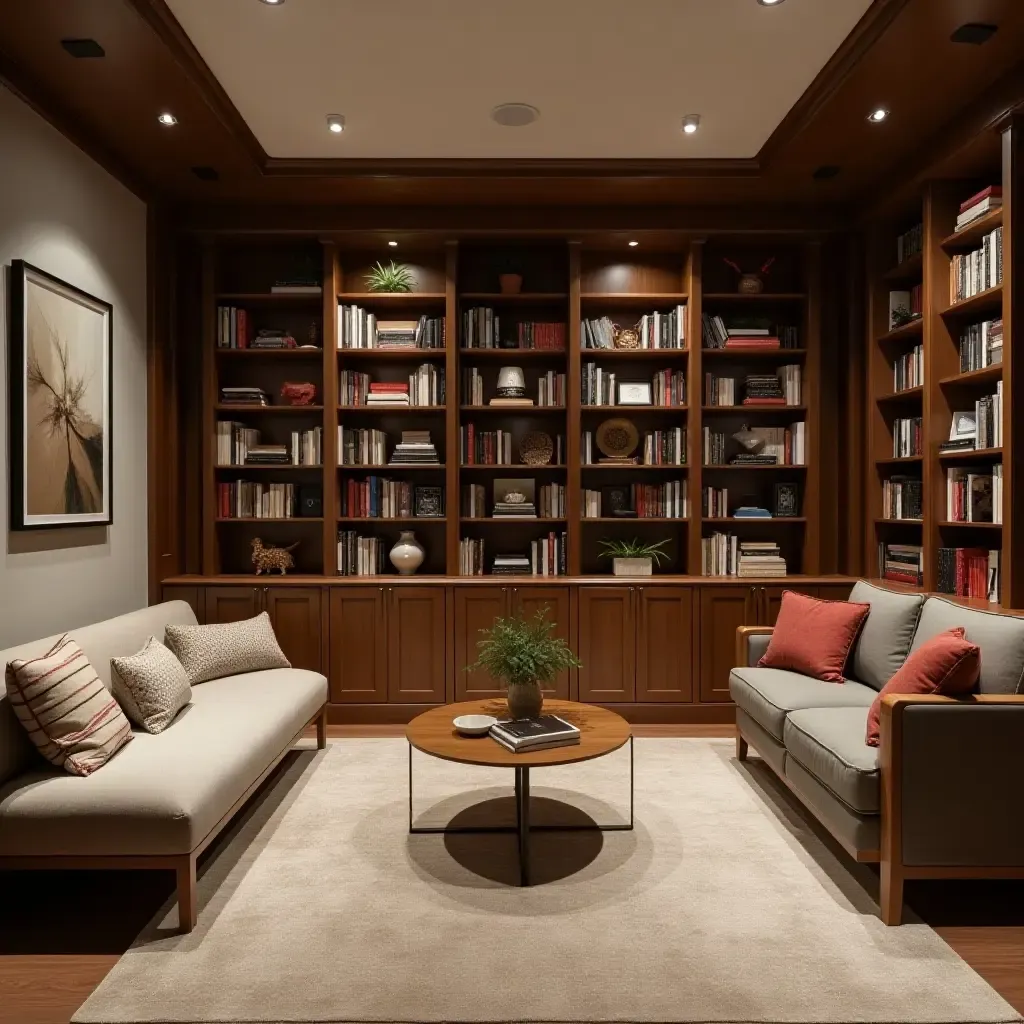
<point x="525" y="734"/>
<point x="760" y="558"/>
<point x="415" y="448"/>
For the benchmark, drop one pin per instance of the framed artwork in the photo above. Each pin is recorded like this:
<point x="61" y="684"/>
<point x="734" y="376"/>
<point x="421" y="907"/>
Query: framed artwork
<point x="635" y="394"/>
<point x="787" y="500"/>
<point x="963" y="425"/>
<point x="60" y="403"/>
<point x="428" y="503"/>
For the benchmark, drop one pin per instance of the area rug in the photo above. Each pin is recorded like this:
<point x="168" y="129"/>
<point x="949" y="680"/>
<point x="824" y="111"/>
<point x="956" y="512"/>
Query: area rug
<point x="720" y="906"/>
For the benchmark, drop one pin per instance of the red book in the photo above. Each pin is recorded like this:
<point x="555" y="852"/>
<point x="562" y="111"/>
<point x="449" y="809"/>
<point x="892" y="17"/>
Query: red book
<point x="764" y="401"/>
<point x="788" y="447"/>
<point x="993" y="190"/>
<point x="378" y="388"/>
<point x="242" y="329"/>
<point x="753" y="343"/>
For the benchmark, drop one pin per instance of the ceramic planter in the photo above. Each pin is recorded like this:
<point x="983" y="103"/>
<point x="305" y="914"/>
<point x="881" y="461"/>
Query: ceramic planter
<point x="632" y="567"/>
<point x="525" y="700"/>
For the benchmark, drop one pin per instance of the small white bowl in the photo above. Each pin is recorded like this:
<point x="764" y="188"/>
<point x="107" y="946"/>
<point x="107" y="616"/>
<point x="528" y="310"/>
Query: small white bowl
<point x="474" y="725"/>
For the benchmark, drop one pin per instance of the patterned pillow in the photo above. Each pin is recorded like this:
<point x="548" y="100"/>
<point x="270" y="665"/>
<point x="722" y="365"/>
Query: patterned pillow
<point x="151" y="686"/>
<point x="65" y="709"/>
<point x="226" y="649"/>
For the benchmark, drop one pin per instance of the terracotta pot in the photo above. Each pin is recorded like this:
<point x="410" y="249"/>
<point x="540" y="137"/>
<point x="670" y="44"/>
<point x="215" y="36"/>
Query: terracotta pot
<point x="511" y="284"/>
<point x="525" y="700"/>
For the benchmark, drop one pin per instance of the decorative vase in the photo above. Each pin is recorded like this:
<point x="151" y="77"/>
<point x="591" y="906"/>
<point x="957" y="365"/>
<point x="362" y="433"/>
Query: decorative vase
<point x="407" y="554"/>
<point x="511" y="284"/>
<point x="750" y="284"/>
<point x="525" y="700"/>
<point x="632" y="566"/>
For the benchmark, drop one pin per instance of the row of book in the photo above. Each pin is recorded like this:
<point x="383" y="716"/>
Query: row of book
<point x="660" y="448"/>
<point x="361" y="556"/>
<point x="382" y="498"/>
<point x="773" y="446"/>
<point x="368" y="447"/>
<point x="239" y="445"/>
<point x="901" y="498"/>
<point x="244" y="499"/>
<point x="551" y="390"/>
<point x="598" y="386"/>
<point x="639" y="501"/>
<point x="550" y="502"/>
<point x="360" y="329"/>
<point x="910" y="243"/>
<point x="484" y="447"/>
<point x="974" y="495"/>
<point x="978" y="270"/>
<point x="715" y="502"/>
<point x="901" y="563"/>
<point x="907" y="437"/>
<point x="981" y="345"/>
<point x="724" y="554"/>
<point x="718" y="334"/>
<point x="908" y="369"/>
<point x="654" y="331"/>
<point x="969" y="572"/>
<point x="481" y="328"/>
<point x="988" y="417"/>
<point x="232" y="327"/>
<point x="543" y="336"/>
<point x="424" y="387"/>
<point x="547" y="556"/>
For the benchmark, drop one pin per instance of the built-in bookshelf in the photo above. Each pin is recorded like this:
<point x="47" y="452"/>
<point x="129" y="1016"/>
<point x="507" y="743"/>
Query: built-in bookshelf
<point x="940" y="416"/>
<point x="478" y="417"/>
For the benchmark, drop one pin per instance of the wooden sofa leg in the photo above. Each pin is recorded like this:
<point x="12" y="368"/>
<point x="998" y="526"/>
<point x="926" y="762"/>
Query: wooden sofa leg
<point x="186" y="874"/>
<point x="891" y="893"/>
<point x="741" y="746"/>
<point x="321" y="729"/>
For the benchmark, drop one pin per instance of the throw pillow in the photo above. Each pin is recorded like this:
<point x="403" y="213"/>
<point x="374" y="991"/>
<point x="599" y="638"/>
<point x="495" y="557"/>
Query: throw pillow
<point x="814" y="637"/>
<point x="67" y="712"/>
<point x="151" y="686"/>
<point x="948" y="664"/>
<point x="226" y="649"/>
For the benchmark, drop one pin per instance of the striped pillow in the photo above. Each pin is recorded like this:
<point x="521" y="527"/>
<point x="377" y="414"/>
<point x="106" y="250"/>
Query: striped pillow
<point x="65" y="709"/>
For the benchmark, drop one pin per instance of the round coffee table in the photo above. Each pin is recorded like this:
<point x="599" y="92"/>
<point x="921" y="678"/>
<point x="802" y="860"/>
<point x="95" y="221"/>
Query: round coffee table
<point x="602" y="731"/>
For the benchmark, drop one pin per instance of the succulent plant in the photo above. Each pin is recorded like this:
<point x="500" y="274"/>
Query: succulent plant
<point x="634" y="549"/>
<point x="391" y="278"/>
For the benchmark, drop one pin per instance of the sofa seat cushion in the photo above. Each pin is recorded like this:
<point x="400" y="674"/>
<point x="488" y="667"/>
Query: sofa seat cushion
<point x="164" y="793"/>
<point x="768" y="695"/>
<point x="829" y="743"/>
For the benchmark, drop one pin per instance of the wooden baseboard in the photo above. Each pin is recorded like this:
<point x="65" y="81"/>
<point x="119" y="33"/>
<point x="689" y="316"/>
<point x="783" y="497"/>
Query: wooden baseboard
<point x="638" y="714"/>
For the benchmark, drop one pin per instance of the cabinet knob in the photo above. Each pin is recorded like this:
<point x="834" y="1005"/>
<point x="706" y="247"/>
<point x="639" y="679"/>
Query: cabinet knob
<point x="382" y="590"/>
<point x="631" y="589"/>
<point x="504" y="589"/>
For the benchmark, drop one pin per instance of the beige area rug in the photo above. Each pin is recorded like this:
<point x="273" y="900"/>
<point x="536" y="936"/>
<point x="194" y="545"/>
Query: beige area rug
<point x="720" y="906"/>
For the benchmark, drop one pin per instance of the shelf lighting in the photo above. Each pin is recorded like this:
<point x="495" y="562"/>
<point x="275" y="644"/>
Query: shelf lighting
<point x="393" y="244"/>
<point x="691" y="123"/>
<point x="633" y="245"/>
<point x="167" y="119"/>
<point x="878" y="115"/>
<point x="335" y="123"/>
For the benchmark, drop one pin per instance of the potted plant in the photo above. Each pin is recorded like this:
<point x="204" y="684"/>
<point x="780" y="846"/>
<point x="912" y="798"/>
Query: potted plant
<point x="524" y="655"/>
<point x="633" y="557"/>
<point x="391" y="278"/>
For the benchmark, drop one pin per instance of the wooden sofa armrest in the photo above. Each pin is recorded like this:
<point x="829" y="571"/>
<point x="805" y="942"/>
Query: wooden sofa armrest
<point x="743" y="633"/>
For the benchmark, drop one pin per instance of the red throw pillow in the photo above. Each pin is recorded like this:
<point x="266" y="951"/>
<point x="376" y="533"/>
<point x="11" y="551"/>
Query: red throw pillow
<point x="814" y="637"/>
<point x="946" y="664"/>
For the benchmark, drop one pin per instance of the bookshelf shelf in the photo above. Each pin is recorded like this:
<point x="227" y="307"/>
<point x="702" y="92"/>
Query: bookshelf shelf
<point x="633" y="468"/>
<point x="600" y="354"/>
<point x="271" y="353"/>
<point x="279" y="410"/>
<point x="900" y="460"/>
<point x="753" y="352"/>
<point x="536" y="520"/>
<point x="882" y="521"/>
<point x="735" y="410"/>
<point x="971" y="236"/>
<point x="514" y="410"/>
<point x="984" y="302"/>
<point x="391" y="355"/>
<point x="907" y="395"/>
<point x="270" y="519"/>
<point x="910" y="269"/>
<point x="268" y="299"/>
<point x="396" y="299"/>
<point x="746" y="520"/>
<point x="634" y="519"/>
<point x="781" y="468"/>
<point x="516" y="299"/>
<point x="418" y="520"/>
<point x="512" y="354"/>
<point x="634" y="299"/>
<point x="505" y="467"/>
<point x="906" y="333"/>
<point x="754" y="299"/>
<point x="951" y="524"/>
<point x="986" y="375"/>
<point x="283" y="468"/>
<point x="972" y="455"/>
<point x="629" y="410"/>
<point x="403" y="466"/>
<point x="392" y="410"/>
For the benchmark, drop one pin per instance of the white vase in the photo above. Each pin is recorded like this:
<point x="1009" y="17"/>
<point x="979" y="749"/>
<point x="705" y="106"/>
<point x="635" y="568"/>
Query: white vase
<point x="407" y="554"/>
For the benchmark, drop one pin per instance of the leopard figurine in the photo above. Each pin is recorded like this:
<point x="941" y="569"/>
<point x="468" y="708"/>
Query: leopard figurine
<point x="267" y="559"/>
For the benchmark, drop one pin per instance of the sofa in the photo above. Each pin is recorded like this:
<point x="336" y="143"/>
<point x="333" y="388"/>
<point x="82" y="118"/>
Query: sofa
<point x="162" y="799"/>
<point x="940" y="797"/>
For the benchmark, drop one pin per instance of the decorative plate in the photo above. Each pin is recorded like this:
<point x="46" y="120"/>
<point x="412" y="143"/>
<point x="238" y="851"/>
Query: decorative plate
<point x="617" y="438"/>
<point x="536" y="448"/>
<point x="625" y="337"/>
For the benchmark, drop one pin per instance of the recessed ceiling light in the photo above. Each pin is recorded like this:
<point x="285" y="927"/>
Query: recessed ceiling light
<point x="878" y="115"/>
<point x="336" y="123"/>
<point x="633" y="245"/>
<point x="514" y="115"/>
<point x="393" y="244"/>
<point x="167" y="118"/>
<point x="691" y="123"/>
<point x="769" y="3"/>
<point x="273" y="3"/>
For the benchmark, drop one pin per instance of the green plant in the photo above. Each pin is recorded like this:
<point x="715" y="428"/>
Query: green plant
<point x="634" y="549"/>
<point x="517" y="651"/>
<point x="392" y="278"/>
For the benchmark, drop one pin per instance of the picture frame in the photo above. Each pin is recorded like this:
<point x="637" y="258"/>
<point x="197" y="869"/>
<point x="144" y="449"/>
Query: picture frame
<point x="60" y="403"/>
<point x="963" y="425"/>
<point x="787" y="501"/>
<point x="634" y="394"/>
<point x="427" y="503"/>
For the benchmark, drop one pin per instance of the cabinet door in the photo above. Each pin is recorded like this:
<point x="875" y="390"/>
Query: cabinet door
<point x="607" y="645"/>
<point x="664" y="644"/>
<point x="771" y="601"/>
<point x="722" y="610"/>
<point x="416" y="645"/>
<point x="295" y="615"/>
<point x="358" y="646"/>
<point x="190" y="595"/>
<point x="229" y="604"/>
<point x="476" y="608"/>
<point x="554" y="601"/>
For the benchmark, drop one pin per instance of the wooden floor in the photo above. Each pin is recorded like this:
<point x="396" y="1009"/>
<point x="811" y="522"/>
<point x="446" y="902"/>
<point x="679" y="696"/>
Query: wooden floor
<point x="49" y="964"/>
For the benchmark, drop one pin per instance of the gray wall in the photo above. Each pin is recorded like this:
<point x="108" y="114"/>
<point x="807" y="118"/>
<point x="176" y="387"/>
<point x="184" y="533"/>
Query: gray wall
<point x="67" y="216"/>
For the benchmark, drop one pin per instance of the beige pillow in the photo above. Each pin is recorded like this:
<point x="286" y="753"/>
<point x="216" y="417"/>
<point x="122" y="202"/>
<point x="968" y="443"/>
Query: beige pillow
<point x="65" y="709"/>
<point x="151" y="686"/>
<point x="226" y="649"/>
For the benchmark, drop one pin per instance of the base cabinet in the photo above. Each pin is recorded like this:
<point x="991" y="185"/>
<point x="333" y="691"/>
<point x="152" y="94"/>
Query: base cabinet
<point x="607" y="645"/>
<point x="417" y="638"/>
<point x="664" y="644"/>
<point x="358" y="646"/>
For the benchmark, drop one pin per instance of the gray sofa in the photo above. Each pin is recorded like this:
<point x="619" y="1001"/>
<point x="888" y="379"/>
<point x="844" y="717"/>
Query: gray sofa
<point x="940" y="797"/>
<point x="162" y="799"/>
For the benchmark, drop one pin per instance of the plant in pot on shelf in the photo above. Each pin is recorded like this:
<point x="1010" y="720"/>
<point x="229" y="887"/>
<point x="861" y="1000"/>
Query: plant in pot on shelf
<point x="633" y="557"/>
<point x="391" y="278"/>
<point x="524" y="655"/>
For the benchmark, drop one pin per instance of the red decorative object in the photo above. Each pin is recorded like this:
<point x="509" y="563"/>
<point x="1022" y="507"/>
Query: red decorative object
<point x="298" y="393"/>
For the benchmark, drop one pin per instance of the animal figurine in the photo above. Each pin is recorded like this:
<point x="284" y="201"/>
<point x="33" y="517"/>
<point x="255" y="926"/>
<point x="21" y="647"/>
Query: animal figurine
<point x="266" y="559"/>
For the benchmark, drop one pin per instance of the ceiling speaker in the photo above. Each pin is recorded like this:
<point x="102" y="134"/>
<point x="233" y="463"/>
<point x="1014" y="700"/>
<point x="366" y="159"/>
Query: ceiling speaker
<point x="974" y="32"/>
<point x="515" y="115"/>
<point x="83" y="48"/>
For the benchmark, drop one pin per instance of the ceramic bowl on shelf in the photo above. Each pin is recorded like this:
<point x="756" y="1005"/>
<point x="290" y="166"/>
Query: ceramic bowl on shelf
<point x="474" y="725"/>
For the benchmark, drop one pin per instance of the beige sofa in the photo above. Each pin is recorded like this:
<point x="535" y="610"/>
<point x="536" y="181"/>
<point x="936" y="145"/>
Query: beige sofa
<point x="161" y="800"/>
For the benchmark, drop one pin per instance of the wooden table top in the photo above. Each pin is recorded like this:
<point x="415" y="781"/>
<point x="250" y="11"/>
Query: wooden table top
<point x="602" y="731"/>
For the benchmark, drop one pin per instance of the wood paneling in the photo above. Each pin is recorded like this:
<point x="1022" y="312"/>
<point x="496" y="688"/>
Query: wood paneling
<point x="476" y="608"/>
<point x="358" y="646"/>
<point x="770" y="601"/>
<point x="722" y="611"/>
<point x="229" y="604"/>
<point x="295" y="615"/>
<point x="835" y="591"/>
<point x="191" y="595"/>
<point x="416" y="644"/>
<point x="556" y="603"/>
<point x="607" y="645"/>
<point x="664" y="644"/>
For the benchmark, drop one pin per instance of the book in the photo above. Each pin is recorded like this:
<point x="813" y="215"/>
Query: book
<point x="543" y="732"/>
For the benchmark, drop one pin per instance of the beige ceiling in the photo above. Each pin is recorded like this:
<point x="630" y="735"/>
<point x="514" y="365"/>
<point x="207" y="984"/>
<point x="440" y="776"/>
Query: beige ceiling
<point x="612" y="78"/>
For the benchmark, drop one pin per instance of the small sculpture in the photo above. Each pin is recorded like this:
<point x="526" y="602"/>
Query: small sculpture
<point x="302" y="393"/>
<point x="268" y="558"/>
<point x="750" y="284"/>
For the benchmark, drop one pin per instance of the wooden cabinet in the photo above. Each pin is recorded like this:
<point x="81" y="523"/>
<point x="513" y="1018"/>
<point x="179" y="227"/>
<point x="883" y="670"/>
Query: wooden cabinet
<point x="417" y="666"/>
<point x="722" y="610"/>
<point x="358" y="650"/>
<point x="229" y="604"/>
<point x="476" y="608"/>
<point x="190" y="595"/>
<point x="607" y="645"/>
<point x="771" y="601"/>
<point x="555" y="602"/>
<point x="835" y="591"/>
<point x="664" y="644"/>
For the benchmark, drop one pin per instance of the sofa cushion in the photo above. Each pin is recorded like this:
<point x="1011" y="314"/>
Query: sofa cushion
<point x="164" y="793"/>
<point x="884" y="642"/>
<point x="814" y="637"/>
<point x="226" y="648"/>
<point x="1000" y="637"/>
<point x="829" y="743"/>
<point x="767" y="695"/>
<point x="151" y="686"/>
